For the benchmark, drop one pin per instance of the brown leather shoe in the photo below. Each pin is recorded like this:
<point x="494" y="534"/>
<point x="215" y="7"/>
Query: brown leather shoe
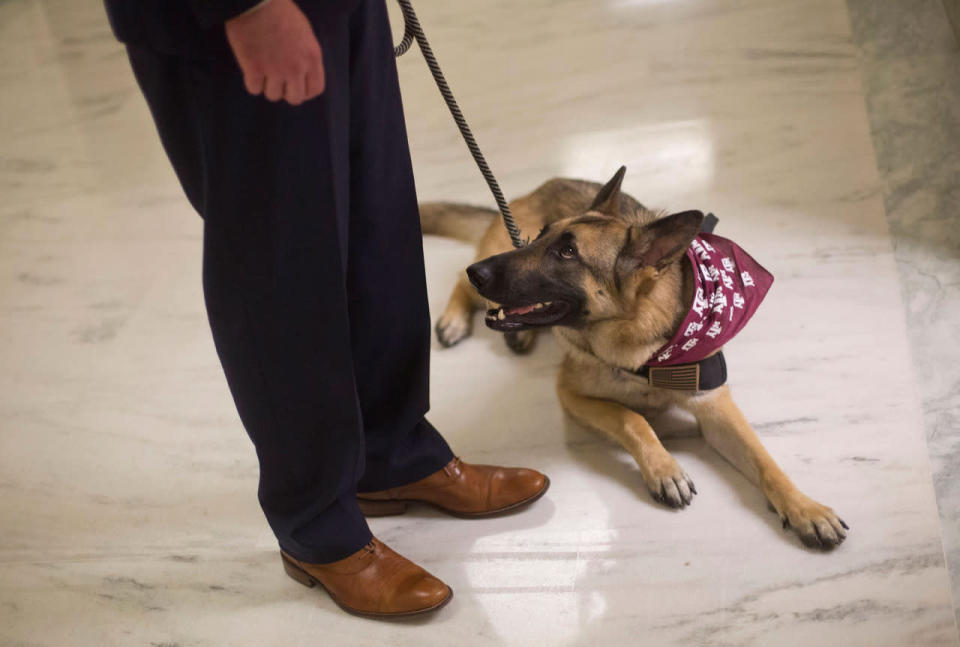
<point x="374" y="581"/>
<point x="461" y="489"/>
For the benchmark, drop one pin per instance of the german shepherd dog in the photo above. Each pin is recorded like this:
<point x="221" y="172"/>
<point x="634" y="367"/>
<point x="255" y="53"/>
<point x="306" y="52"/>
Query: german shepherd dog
<point x="606" y="274"/>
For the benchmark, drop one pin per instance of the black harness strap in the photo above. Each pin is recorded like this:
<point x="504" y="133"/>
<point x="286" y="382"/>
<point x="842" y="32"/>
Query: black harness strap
<point x="705" y="375"/>
<point x="709" y="222"/>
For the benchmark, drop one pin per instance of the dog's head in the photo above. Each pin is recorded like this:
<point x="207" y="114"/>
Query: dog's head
<point x="583" y="269"/>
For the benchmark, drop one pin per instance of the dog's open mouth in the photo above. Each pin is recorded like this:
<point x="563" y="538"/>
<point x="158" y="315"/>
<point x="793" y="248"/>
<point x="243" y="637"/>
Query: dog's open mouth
<point x="509" y="318"/>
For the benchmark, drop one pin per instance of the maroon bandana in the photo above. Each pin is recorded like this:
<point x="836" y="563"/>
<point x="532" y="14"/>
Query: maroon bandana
<point x="728" y="288"/>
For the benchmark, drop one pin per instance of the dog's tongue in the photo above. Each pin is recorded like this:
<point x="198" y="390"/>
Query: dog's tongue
<point x="522" y="310"/>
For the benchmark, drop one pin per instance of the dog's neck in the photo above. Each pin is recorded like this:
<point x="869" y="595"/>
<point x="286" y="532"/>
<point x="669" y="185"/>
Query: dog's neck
<point x="630" y="342"/>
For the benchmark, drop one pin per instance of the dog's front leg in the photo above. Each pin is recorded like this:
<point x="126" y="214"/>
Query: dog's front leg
<point x="666" y="481"/>
<point x="726" y="429"/>
<point x="456" y="322"/>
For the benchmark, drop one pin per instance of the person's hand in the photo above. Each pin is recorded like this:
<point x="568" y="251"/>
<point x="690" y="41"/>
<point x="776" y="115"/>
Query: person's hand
<point x="278" y="52"/>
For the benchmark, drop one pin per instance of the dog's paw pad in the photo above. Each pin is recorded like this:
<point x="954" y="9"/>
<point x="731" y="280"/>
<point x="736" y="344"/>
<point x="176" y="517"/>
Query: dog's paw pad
<point x="671" y="486"/>
<point x="817" y="525"/>
<point x="452" y="329"/>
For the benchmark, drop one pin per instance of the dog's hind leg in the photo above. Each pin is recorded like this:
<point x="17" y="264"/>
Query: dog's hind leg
<point x="456" y="322"/>
<point x="662" y="474"/>
<point x="726" y="429"/>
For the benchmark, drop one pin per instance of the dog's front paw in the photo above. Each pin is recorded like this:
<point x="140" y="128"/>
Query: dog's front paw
<point x="817" y="525"/>
<point x="452" y="328"/>
<point x="667" y="482"/>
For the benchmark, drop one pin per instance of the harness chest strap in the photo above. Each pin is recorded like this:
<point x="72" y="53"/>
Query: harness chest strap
<point x="707" y="374"/>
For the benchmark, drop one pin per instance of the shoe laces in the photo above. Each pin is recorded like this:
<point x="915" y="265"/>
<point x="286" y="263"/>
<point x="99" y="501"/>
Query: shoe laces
<point x="453" y="466"/>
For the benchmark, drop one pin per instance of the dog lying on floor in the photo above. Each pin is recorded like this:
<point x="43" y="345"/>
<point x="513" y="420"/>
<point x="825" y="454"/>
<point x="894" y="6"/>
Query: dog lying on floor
<point x="641" y="304"/>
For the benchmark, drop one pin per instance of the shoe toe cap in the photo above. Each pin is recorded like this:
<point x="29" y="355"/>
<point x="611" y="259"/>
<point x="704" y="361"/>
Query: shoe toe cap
<point x="431" y="591"/>
<point x="515" y="485"/>
<point x="420" y="593"/>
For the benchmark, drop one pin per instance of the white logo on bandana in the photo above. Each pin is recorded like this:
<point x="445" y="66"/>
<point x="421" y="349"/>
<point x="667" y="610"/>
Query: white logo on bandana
<point x="728" y="264"/>
<point x="738" y="300"/>
<point x="699" y="302"/>
<point x="692" y="327"/>
<point x="690" y="344"/>
<point x="715" y="330"/>
<point x="700" y="251"/>
<point x="706" y="273"/>
<point x="747" y="279"/>
<point x="719" y="301"/>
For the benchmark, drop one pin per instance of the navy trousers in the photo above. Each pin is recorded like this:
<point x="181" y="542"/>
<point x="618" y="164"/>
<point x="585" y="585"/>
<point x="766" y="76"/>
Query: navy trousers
<point x="313" y="271"/>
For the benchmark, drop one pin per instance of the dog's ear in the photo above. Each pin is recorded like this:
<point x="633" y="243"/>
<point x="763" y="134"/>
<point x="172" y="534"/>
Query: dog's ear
<point x="607" y="201"/>
<point x="659" y="243"/>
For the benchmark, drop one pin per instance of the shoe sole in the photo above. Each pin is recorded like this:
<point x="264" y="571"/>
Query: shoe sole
<point x="303" y="577"/>
<point x="393" y="507"/>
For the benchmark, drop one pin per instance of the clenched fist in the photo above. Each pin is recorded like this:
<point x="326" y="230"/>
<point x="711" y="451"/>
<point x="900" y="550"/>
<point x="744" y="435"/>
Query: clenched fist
<point x="278" y="52"/>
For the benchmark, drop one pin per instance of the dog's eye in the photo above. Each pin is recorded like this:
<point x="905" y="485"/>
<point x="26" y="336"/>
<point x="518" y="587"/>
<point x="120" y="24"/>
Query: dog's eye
<point x="567" y="252"/>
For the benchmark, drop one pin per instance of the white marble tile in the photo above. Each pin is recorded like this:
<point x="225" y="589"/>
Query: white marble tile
<point x="910" y="59"/>
<point x="129" y="512"/>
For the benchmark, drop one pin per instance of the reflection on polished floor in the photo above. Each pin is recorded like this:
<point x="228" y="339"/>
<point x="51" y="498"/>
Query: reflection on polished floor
<point x="129" y="512"/>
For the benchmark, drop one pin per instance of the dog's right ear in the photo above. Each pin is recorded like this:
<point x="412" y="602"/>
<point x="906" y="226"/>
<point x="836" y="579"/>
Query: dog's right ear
<point x="607" y="201"/>
<point x="659" y="243"/>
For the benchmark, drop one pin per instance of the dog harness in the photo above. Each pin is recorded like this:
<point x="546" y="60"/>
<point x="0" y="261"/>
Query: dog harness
<point x="729" y="286"/>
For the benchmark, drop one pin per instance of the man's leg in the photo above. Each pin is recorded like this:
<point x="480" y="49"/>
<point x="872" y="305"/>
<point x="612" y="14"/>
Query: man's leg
<point x="406" y="457"/>
<point x="272" y="183"/>
<point x="386" y="284"/>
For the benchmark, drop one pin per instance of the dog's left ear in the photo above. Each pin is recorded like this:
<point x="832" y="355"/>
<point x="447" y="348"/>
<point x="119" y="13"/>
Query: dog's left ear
<point x="661" y="242"/>
<point x="607" y="201"/>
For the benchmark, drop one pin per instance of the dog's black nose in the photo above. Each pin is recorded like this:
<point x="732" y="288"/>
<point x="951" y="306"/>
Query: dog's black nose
<point x="480" y="274"/>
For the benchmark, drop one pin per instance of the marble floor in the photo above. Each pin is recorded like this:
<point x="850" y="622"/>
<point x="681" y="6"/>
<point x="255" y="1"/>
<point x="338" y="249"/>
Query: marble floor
<point x="912" y="88"/>
<point x="128" y="513"/>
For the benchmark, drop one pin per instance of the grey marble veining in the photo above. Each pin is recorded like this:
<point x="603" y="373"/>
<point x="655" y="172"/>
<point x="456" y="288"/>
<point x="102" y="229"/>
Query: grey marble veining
<point x="911" y="67"/>
<point x="128" y="488"/>
<point x="952" y="8"/>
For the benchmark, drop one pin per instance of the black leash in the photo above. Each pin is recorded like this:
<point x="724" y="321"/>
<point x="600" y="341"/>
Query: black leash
<point x="412" y="30"/>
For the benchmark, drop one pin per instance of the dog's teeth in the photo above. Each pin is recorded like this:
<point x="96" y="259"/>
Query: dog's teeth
<point x="501" y="314"/>
<point x="548" y="303"/>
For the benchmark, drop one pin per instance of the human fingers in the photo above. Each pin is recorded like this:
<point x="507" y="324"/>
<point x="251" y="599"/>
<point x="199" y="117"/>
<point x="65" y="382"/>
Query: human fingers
<point x="273" y="88"/>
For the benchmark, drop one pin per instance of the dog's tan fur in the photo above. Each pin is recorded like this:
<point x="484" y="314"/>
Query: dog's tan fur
<point x="631" y="315"/>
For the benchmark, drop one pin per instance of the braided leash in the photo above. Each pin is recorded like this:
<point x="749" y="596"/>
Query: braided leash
<point x="412" y="30"/>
